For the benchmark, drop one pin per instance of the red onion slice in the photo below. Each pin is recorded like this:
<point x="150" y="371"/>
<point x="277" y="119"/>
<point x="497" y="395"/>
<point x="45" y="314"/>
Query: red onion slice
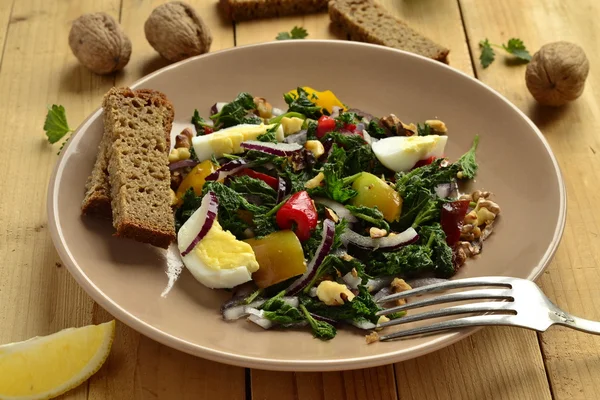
<point x="323" y="319"/>
<point x="338" y="208"/>
<point x="298" y="137"/>
<point x="376" y="284"/>
<point x="281" y="189"/>
<point x="445" y="190"/>
<point x="230" y="168"/>
<point x="236" y="312"/>
<point x="363" y="324"/>
<point x="274" y="149"/>
<point x="322" y="251"/>
<point x="182" y="164"/>
<point x="386" y="243"/>
<point x="352" y="281"/>
<point x="217" y="107"/>
<point x="207" y="214"/>
<point x="256" y="316"/>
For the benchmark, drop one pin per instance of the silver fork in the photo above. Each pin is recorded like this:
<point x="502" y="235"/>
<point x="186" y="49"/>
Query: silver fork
<point x="523" y="304"/>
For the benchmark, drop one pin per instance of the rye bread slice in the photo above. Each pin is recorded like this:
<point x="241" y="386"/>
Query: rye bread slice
<point x="242" y="10"/>
<point x="368" y="21"/>
<point x="139" y="124"/>
<point x="96" y="201"/>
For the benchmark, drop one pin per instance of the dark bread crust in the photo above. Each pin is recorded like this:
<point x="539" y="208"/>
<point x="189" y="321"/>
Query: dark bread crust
<point x="368" y="21"/>
<point x="243" y="10"/>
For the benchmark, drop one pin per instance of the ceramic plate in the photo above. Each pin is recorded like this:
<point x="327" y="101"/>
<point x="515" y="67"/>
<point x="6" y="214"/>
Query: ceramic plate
<point x="127" y="278"/>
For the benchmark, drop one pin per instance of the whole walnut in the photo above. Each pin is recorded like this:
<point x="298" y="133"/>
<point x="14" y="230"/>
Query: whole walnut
<point x="177" y="32"/>
<point x="557" y="73"/>
<point x="99" y="43"/>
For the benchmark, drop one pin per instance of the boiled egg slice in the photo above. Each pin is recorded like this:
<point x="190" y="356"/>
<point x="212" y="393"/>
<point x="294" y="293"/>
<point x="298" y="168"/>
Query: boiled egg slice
<point x="219" y="260"/>
<point x="228" y="140"/>
<point x="401" y="153"/>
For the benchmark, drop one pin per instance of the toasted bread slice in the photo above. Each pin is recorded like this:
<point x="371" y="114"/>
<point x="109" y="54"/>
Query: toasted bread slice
<point x="241" y="10"/>
<point x="368" y="21"/>
<point x="137" y="127"/>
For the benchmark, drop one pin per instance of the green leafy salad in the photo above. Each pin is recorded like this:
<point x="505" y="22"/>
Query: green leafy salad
<point x="313" y="214"/>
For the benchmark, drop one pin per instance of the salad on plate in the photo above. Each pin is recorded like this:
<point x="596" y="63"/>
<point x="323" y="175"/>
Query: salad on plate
<point x="310" y="214"/>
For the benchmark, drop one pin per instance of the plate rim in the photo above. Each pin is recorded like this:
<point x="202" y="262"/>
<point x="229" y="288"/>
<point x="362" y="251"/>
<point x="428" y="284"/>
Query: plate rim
<point x="441" y="341"/>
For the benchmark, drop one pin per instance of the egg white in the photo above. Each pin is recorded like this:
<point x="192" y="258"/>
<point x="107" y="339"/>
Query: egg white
<point x="214" y="278"/>
<point x="401" y="153"/>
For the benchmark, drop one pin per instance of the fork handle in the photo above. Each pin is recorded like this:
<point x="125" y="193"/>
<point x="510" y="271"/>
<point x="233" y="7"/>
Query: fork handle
<point x="581" y="324"/>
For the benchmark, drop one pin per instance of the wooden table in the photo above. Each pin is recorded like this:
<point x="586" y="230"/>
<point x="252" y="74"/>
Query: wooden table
<point x="38" y="295"/>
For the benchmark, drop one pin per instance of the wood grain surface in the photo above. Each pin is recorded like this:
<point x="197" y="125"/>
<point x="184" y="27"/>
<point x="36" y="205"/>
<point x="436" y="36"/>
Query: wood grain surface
<point x="38" y="296"/>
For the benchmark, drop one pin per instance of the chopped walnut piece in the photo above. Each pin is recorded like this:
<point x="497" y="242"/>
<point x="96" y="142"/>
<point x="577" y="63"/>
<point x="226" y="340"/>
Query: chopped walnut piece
<point x="372" y="337"/>
<point x="399" y="285"/>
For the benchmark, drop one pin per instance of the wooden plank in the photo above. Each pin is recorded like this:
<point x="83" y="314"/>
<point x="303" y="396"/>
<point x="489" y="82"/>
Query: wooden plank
<point x="138" y="367"/>
<point x="37" y="295"/>
<point x="364" y="384"/>
<point x="496" y="363"/>
<point x="442" y="22"/>
<point x="572" y="281"/>
<point x="5" y="14"/>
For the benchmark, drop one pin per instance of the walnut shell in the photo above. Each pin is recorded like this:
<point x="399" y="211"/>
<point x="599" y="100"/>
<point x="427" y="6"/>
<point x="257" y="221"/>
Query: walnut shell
<point x="177" y="32"/>
<point x="99" y="43"/>
<point x="557" y="73"/>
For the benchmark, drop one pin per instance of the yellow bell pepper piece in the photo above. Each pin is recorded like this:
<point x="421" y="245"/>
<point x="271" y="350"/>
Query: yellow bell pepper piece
<point x="196" y="178"/>
<point x="325" y="99"/>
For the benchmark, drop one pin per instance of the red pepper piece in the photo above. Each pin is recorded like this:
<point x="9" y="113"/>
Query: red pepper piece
<point x="422" y="163"/>
<point x="453" y="215"/>
<point x="208" y="130"/>
<point x="298" y="211"/>
<point x="325" y="124"/>
<point x="350" y="127"/>
<point x="269" y="180"/>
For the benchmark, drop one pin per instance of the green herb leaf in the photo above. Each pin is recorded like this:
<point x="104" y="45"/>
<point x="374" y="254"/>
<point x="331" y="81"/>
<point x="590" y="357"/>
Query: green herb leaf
<point x="468" y="162"/>
<point x="375" y="130"/>
<point x="200" y="124"/>
<point x="372" y="215"/>
<point x="190" y="203"/>
<point x="295" y="33"/>
<point x="321" y="329"/>
<point x="424" y="130"/>
<point x="237" y="112"/>
<point x="441" y="252"/>
<point x="516" y="47"/>
<point x="336" y="187"/>
<point x="361" y="307"/>
<point x="410" y="260"/>
<point x="359" y="155"/>
<point x="56" y="125"/>
<point x="487" y="55"/>
<point x="269" y="135"/>
<point x="301" y="103"/>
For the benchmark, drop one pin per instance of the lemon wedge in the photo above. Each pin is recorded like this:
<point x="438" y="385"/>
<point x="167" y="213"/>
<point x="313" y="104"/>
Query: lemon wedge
<point x="45" y="367"/>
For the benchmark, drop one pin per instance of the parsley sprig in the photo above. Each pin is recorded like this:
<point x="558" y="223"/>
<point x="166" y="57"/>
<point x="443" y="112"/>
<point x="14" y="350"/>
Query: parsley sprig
<point x="514" y="46"/>
<point x="56" y="125"/>
<point x="296" y="33"/>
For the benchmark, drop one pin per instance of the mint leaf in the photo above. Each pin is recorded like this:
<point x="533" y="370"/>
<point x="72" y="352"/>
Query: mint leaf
<point x="56" y="125"/>
<point x="487" y="55"/>
<point x="295" y="33"/>
<point x="516" y="47"/>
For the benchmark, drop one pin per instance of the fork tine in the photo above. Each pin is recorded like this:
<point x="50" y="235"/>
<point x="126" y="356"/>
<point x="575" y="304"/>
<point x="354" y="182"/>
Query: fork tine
<point x="459" y="283"/>
<point x="493" y="306"/>
<point x="479" y="320"/>
<point x="500" y="294"/>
